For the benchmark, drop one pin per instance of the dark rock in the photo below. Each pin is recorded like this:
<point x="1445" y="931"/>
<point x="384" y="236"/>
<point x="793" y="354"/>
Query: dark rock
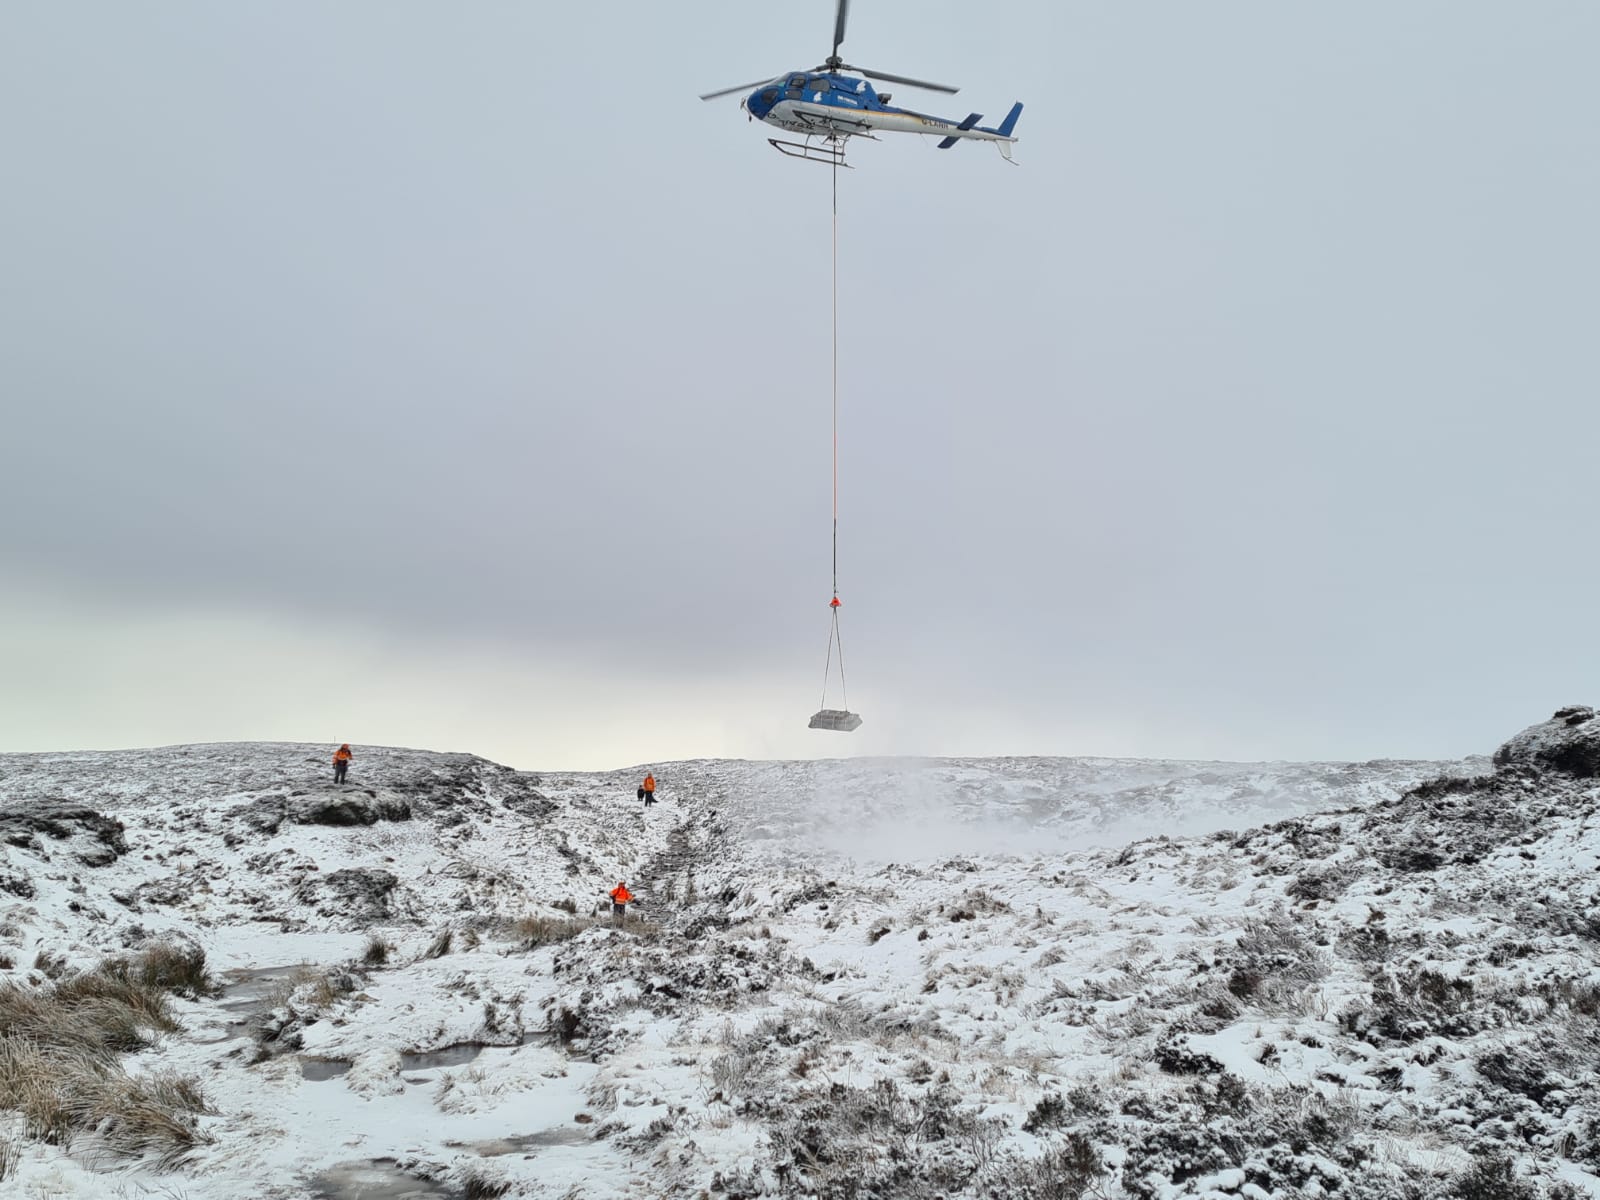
<point x="98" y="838"/>
<point x="530" y="803"/>
<point x="359" y="893"/>
<point x="17" y="885"/>
<point x="346" y="808"/>
<point x="1568" y="742"/>
<point x="263" y="817"/>
<point x="174" y="889"/>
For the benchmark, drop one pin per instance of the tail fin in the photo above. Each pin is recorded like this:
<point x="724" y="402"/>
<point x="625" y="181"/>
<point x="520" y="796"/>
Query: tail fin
<point x="971" y="120"/>
<point x="1010" y="122"/>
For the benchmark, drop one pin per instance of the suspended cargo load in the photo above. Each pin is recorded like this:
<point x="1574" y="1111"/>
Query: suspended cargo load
<point x="836" y="719"/>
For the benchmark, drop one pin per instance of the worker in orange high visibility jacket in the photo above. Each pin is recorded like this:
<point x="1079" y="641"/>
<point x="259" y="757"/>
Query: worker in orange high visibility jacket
<point x="620" y="896"/>
<point x="341" y="762"/>
<point x="647" y="789"/>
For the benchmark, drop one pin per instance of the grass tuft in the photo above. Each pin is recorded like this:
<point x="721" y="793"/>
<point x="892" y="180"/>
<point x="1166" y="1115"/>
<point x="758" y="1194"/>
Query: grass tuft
<point x="440" y="946"/>
<point x="60" y="1048"/>
<point x="479" y="1187"/>
<point x="164" y="967"/>
<point x="377" y="951"/>
<point x="535" y="929"/>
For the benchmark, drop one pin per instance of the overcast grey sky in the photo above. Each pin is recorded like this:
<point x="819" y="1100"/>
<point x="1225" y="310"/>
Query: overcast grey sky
<point x="449" y="375"/>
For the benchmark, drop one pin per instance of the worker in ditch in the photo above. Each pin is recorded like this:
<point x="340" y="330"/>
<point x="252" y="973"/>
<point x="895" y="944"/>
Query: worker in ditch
<point x="620" y="898"/>
<point x="647" y="789"/>
<point x="341" y="762"/>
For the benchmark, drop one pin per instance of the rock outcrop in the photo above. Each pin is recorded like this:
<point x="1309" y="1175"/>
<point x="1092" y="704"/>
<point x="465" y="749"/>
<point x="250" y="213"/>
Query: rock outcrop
<point x="1569" y="742"/>
<point x="359" y="895"/>
<point x="96" y="840"/>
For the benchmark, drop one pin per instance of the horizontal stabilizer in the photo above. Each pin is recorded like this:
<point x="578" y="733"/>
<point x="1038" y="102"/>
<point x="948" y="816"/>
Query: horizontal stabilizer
<point x="971" y="120"/>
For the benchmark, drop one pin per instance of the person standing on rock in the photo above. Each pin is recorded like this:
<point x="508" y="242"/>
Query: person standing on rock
<point x="620" y="896"/>
<point x="647" y="789"/>
<point x="341" y="762"/>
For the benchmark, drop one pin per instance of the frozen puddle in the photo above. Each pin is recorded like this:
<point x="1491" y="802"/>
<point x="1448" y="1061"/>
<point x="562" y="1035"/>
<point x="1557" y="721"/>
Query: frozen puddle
<point x="248" y="992"/>
<point x="494" y="1147"/>
<point x="319" y="1069"/>
<point x="379" y="1179"/>
<point x="462" y="1053"/>
<point x="458" y="1055"/>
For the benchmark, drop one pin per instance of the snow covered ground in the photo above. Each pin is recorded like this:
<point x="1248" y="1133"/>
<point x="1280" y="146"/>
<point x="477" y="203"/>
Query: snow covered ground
<point x="1009" y="977"/>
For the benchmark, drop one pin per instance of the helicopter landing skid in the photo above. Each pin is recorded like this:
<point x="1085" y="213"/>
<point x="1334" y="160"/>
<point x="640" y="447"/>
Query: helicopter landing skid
<point x="830" y="151"/>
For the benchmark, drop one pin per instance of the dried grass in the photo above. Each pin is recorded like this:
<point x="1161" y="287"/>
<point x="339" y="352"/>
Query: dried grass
<point x="152" y="1115"/>
<point x="441" y="945"/>
<point x="377" y="951"/>
<point x="329" y="987"/>
<point x="535" y="929"/>
<point x="60" y="1048"/>
<point x="165" y="967"/>
<point x="477" y="1186"/>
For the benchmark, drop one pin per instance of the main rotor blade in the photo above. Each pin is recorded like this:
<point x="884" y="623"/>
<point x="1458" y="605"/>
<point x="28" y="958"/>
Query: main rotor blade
<point x="740" y="87"/>
<point x="888" y="78"/>
<point x="838" y="25"/>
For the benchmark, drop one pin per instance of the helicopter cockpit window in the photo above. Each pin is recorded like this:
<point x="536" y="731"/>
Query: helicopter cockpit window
<point x="770" y="96"/>
<point x="819" y="83"/>
<point x="796" y="83"/>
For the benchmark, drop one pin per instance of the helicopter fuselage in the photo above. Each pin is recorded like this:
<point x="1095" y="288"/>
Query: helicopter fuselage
<point x="841" y="106"/>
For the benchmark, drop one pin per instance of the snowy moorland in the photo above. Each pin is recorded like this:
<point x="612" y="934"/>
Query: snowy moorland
<point x="222" y="976"/>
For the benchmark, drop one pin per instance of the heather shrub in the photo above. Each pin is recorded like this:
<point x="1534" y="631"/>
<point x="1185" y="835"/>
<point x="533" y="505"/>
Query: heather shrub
<point x="1491" y="1177"/>
<point x="1065" y="1172"/>
<point x="1049" y="1113"/>
<point x="850" y="1143"/>
<point x="1409" y="1005"/>
<point x="1272" y="961"/>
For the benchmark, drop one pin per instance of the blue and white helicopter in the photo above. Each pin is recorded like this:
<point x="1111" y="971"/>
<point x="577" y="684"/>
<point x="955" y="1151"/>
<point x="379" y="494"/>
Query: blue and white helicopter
<point x="829" y="108"/>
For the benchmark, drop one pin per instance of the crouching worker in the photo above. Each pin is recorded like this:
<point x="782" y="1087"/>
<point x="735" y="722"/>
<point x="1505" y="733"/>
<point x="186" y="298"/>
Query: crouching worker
<point x="620" y="897"/>
<point x="341" y="762"/>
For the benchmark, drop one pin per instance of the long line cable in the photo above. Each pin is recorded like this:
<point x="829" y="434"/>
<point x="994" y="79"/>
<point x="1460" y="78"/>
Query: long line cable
<point x="834" y="634"/>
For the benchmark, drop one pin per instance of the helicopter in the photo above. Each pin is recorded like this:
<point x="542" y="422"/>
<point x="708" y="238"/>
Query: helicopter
<point x="829" y="107"/>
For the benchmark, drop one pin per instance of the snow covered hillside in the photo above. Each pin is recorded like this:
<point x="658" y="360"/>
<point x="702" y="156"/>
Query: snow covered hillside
<point x="1007" y="978"/>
